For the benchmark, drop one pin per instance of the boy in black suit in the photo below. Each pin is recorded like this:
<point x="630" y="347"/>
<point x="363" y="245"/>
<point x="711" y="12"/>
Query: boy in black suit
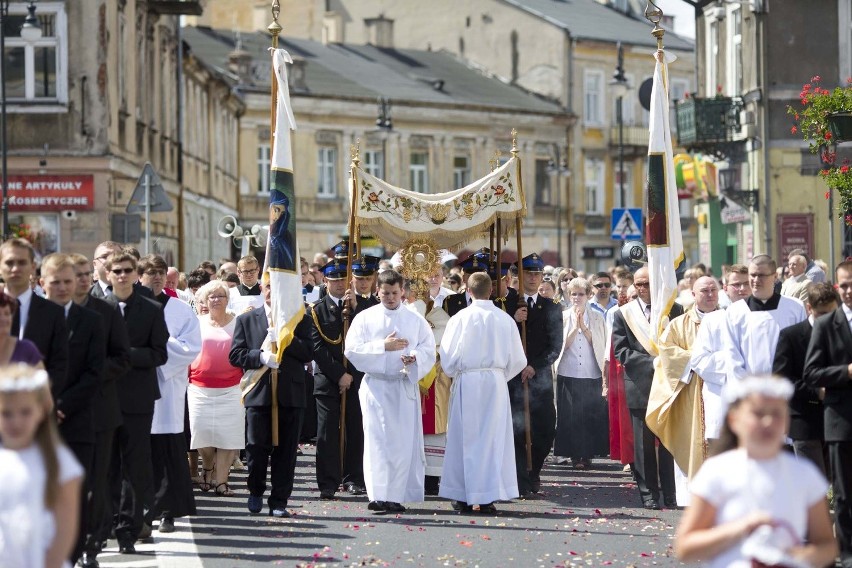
<point x="246" y="352"/>
<point x="37" y="319"/>
<point x="828" y="365"/>
<point x="87" y="350"/>
<point x="137" y="391"/>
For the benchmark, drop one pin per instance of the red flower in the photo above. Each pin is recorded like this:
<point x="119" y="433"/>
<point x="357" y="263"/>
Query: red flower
<point x="815" y="79"/>
<point x="797" y="116"/>
<point x="844" y="169"/>
<point x="827" y="135"/>
<point x="848" y="220"/>
<point x="794" y="130"/>
<point x="823" y="173"/>
<point x="718" y="89"/>
<point x="828" y="195"/>
<point x="373" y="197"/>
<point x="849" y="80"/>
<point x="499" y="190"/>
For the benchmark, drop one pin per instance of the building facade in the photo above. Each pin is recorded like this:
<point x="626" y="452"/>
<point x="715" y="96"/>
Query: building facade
<point x="564" y="52"/>
<point x="443" y="123"/>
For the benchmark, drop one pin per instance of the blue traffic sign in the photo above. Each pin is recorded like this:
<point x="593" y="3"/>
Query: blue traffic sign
<point x="626" y="224"/>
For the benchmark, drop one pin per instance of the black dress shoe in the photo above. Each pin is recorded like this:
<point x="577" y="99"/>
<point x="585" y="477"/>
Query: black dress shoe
<point x="126" y="547"/>
<point x="327" y="494"/>
<point x="670" y="501"/>
<point x="488" y="509"/>
<point x="145" y="532"/>
<point x="377" y="506"/>
<point x="354" y="488"/>
<point x="88" y="560"/>
<point x="167" y="525"/>
<point x="651" y="504"/>
<point x="461" y="506"/>
<point x="392" y="507"/>
<point x="536" y="486"/>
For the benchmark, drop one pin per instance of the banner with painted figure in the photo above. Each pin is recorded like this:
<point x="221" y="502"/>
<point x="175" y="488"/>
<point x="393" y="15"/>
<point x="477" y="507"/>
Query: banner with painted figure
<point x="282" y="252"/>
<point x="393" y="214"/>
<point x="662" y="230"/>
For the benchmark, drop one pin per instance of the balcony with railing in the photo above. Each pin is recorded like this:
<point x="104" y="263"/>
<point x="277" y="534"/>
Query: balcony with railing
<point x="708" y="125"/>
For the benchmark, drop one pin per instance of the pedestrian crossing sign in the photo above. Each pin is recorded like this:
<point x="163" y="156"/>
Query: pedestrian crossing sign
<point x="626" y="224"/>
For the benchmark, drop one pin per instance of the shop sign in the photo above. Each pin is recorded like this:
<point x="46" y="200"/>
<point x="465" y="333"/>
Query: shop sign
<point x="795" y="231"/>
<point x="51" y="193"/>
<point x="598" y="252"/>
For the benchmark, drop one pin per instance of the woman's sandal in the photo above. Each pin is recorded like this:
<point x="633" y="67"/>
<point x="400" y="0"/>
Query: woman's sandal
<point x="227" y="492"/>
<point x="206" y="481"/>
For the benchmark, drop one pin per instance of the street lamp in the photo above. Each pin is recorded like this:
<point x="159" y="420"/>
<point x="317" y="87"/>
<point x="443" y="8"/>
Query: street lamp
<point x="619" y="89"/>
<point x="558" y="166"/>
<point x="384" y="122"/>
<point x="30" y="31"/>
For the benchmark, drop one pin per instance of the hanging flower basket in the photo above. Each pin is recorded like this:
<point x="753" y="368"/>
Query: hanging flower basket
<point x="825" y="119"/>
<point x="840" y="126"/>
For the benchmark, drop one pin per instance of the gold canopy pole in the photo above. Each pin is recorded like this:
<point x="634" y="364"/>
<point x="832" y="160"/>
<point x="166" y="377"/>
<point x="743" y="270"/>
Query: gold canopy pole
<point x="274" y="29"/>
<point x="346" y="312"/>
<point x="527" y="421"/>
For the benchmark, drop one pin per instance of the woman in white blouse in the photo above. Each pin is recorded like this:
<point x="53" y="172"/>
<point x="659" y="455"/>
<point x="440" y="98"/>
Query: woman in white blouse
<point x="581" y="414"/>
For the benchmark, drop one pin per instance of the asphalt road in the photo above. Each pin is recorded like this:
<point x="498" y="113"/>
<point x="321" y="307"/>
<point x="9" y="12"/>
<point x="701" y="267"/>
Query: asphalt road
<point x="581" y="518"/>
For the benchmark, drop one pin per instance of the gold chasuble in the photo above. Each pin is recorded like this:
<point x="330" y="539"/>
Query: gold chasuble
<point x="675" y="408"/>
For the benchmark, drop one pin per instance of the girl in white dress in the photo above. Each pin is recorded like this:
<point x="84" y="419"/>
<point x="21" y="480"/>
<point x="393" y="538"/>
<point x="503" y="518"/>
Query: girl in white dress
<point x="754" y="504"/>
<point x="39" y="476"/>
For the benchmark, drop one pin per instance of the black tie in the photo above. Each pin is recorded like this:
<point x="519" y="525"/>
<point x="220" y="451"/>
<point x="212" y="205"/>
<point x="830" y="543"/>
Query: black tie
<point x="16" y="321"/>
<point x="340" y="304"/>
<point x="648" y="312"/>
<point x="530" y="302"/>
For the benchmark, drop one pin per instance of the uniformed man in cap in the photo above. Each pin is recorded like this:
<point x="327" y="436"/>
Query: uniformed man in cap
<point x="504" y="297"/>
<point x="364" y="269"/>
<point x="476" y="262"/>
<point x="340" y="251"/>
<point x="331" y="379"/>
<point x="543" y="321"/>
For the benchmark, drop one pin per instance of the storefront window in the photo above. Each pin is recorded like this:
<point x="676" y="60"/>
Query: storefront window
<point x="41" y="230"/>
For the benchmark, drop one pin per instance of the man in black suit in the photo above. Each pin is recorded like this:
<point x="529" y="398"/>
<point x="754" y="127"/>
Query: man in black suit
<point x="137" y="391"/>
<point x="248" y="270"/>
<point x="806" y="409"/>
<point x="828" y="365"/>
<point x="87" y="351"/>
<point x="247" y="353"/>
<point x="101" y="287"/>
<point x="331" y="380"/>
<point x="37" y="319"/>
<point x="653" y="468"/>
<point x="106" y="410"/>
<point x="542" y="320"/>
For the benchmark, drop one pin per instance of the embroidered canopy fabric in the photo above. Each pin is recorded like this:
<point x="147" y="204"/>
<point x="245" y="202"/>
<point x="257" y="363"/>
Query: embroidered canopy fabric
<point x="393" y="215"/>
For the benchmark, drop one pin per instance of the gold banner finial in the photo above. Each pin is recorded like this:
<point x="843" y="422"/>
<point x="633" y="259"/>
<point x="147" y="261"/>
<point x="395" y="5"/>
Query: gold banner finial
<point x="514" y="143"/>
<point x="495" y="161"/>
<point x="355" y="152"/>
<point x="655" y="15"/>
<point x="275" y="28"/>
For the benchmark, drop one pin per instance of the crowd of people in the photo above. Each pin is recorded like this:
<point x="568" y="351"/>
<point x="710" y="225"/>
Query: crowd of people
<point x="126" y="385"/>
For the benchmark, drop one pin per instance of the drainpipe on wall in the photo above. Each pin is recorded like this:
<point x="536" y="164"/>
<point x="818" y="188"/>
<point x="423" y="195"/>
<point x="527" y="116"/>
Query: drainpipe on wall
<point x="764" y="89"/>
<point x="180" y="112"/>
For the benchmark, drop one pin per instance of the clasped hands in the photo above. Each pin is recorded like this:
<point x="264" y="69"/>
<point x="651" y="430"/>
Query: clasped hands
<point x="394" y="343"/>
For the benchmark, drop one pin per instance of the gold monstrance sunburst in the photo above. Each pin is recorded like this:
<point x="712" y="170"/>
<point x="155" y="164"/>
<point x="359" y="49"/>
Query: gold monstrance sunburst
<point x="420" y="260"/>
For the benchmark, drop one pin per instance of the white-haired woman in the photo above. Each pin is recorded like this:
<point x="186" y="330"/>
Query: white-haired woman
<point x="581" y="418"/>
<point x="216" y="414"/>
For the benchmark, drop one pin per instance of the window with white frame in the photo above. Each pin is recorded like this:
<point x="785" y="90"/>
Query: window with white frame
<point x="712" y="58"/>
<point x="594" y="183"/>
<point x="263" y="165"/>
<point x="542" y="183"/>
<point x="628" y="104"/>
<point x="419" y="169"/>
<point x="326" y="172"/>
<point x="735" y="69"/>
<point x="374" y="163"/>
<point x="37" y="71"/>
<point x="593" y="96"/>
<point x="461" y="171"/>
<point x="628" y="185"/>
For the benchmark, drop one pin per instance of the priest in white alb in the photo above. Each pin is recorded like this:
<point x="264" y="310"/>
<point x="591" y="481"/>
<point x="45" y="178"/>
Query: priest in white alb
<point x="395" y="348"/>
<point x="481" y="350"/>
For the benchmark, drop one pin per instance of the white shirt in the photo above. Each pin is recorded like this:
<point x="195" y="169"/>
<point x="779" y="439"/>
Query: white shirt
<point x="848" y="313"/>
<point x="579" y="361"/>
<point x="25" y="299"/>
<point x="527" y="297"/>
<point x="104" y="286"/>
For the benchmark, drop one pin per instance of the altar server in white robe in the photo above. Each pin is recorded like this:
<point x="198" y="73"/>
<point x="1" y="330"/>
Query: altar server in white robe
<point x="395" y="348"/>
<point x="753" y="324"/>
<point x="708" y="358"/>
<point x="481" y="349"/>
<point x="172" y="482"/>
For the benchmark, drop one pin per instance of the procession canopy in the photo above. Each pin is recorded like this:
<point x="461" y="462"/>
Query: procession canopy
<point x="395" y="215"/>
